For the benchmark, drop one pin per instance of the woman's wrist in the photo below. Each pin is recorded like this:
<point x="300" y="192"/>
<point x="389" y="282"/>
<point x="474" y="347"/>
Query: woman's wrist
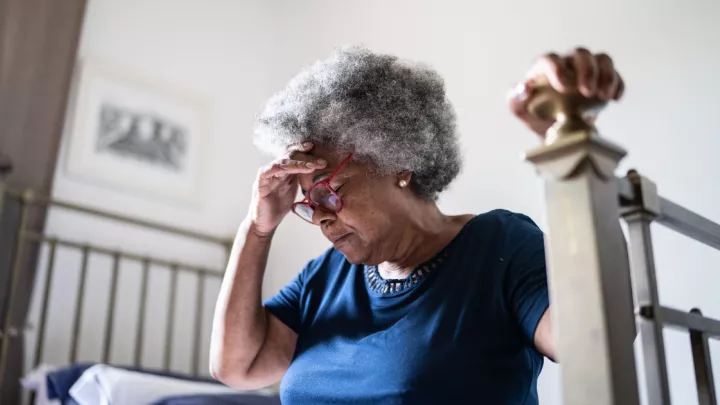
<point x="252" y="228"/>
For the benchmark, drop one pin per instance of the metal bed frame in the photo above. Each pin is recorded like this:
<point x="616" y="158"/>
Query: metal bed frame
<point x="593" y="275"/>
<point x="25" y="238"/>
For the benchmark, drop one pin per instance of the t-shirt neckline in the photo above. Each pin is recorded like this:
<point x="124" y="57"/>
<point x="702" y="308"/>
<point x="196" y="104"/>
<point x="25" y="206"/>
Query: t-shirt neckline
<point x="381" y="287"/>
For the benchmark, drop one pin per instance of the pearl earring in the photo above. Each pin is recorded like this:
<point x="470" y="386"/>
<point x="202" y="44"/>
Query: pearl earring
<point x="403" y="183"/>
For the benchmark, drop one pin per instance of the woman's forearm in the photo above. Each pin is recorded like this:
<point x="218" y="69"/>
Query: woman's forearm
<point x="240" y="324"/>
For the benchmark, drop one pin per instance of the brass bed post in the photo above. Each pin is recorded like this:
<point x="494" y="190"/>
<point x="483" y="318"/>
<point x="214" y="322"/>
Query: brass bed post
<point x="9" y="331"/>
<point x="588" y="267"/>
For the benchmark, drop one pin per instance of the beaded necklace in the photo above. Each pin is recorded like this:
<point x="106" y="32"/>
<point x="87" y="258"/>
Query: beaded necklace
<point x="381" y="286"/>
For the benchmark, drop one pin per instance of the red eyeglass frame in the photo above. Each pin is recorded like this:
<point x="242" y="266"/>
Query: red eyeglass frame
<point x="324" y="183"/>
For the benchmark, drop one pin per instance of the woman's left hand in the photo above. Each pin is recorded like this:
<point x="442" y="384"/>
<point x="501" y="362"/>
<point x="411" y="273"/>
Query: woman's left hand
<point x="593" y="75"/>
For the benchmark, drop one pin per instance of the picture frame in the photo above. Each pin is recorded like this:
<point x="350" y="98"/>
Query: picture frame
<point x="136" y="135"/>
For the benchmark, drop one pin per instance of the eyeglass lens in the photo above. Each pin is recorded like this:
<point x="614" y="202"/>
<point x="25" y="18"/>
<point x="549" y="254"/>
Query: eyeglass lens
<point x="321" y="196"/>
<point x="304" y="211"/>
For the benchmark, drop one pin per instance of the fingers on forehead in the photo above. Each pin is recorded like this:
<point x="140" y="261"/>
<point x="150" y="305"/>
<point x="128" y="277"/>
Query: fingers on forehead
<point x="297" y="155"/>
<point x="299" y="147"/>
<point x="299" y="151"/>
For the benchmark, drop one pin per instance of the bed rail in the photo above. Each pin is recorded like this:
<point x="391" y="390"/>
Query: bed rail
<point x="23" y="237"/>
<point x="670" y="214"/>
<point x="593" y="275"/>
<point x="639" y="212"/>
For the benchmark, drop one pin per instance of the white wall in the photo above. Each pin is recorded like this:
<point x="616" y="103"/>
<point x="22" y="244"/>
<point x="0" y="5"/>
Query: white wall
<point x="239" y="53"/>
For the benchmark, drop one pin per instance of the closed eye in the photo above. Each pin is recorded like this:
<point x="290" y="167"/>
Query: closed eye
<point x="339" y="187"/>
<point x="304" y="192"/>
<point x="318" y="178"/>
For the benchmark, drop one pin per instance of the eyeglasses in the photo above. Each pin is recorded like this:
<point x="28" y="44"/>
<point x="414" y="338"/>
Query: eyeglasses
<point x="320" y="195"/>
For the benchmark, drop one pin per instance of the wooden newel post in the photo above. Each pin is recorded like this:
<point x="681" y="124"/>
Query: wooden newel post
<point x="588" y="266"/>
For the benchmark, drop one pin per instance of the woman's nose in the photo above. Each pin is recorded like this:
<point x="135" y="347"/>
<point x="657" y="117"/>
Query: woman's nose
<point x="320" y="216"/>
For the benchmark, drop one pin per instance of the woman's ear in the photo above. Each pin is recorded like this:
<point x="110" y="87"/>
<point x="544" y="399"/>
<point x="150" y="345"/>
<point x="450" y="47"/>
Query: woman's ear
<point x="404" y="179"/>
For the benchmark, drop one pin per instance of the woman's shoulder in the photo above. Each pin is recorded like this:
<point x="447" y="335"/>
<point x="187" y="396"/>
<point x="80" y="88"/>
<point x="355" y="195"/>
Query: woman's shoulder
<point x="502" y="243"/>
<point x="501" y="218"/>
<point x="499" y="229"/>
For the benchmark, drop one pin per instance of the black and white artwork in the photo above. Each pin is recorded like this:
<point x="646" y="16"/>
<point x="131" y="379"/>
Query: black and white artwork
<point x="144" y="136"/>
<point x="137" y="135"/>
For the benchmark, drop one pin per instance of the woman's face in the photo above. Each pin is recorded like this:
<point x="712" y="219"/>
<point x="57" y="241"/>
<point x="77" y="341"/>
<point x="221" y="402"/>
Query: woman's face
<point x="372" y="213"/>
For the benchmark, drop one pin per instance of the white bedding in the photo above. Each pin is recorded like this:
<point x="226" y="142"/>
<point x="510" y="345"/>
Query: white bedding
<point x="35" y="381"/>
<point x="105" y="385"/>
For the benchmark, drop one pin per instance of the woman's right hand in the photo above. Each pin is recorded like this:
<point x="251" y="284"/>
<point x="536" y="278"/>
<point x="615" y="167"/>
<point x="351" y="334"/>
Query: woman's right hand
<point x="593" y="75"/>
<point x="276" y="186"/>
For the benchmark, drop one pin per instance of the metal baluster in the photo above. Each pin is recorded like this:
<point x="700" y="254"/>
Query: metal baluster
<point x="141" y="312"/>
<point x="197" y="343"/>
<point x="79" y="300"/>
<point x="639" y="216"/>
<point x="45" y="302"/>
<point x="170" y="318"/>
<point x="109" y="318"/>
<point x="703" y="366"/>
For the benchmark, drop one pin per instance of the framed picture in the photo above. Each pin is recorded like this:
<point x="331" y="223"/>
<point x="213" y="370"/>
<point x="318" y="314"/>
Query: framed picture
<point x="136" y="135"/>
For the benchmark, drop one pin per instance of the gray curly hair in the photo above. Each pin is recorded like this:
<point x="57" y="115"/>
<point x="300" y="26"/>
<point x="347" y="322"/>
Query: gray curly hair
<point x="390" y="113"/>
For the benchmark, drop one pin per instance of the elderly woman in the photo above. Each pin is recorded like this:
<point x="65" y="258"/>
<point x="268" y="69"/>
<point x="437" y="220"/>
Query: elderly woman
<point x="409" y="305"/>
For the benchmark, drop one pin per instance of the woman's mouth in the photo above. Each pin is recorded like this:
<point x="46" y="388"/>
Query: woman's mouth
<point x="340" y="240"/>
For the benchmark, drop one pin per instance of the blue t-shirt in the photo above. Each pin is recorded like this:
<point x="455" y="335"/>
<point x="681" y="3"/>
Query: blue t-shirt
<point x="458" y="331"/>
